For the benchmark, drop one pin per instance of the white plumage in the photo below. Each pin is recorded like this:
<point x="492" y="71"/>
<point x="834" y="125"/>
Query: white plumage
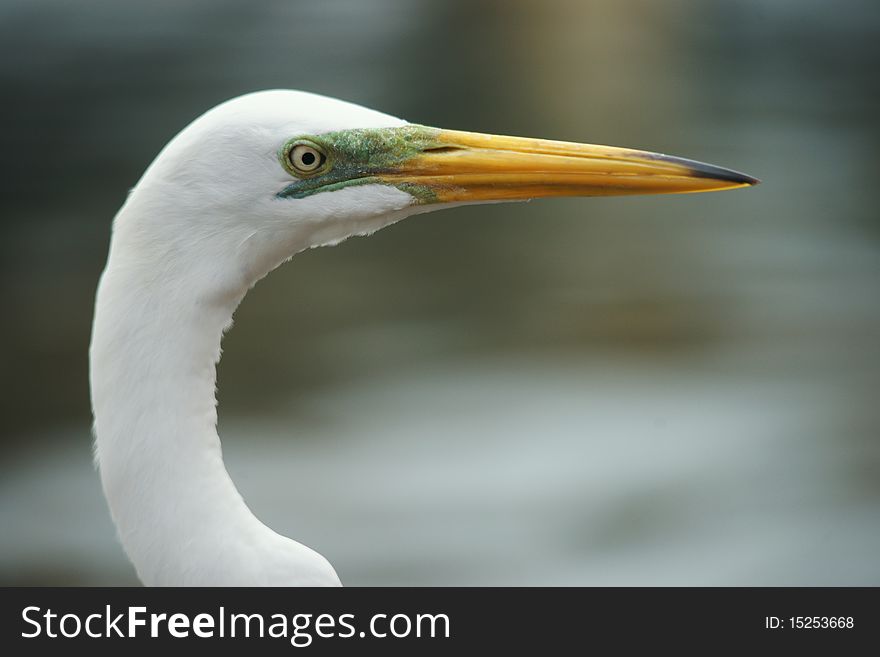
<point x="202" y="226"/>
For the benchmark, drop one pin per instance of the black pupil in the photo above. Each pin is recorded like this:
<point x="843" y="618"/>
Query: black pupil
<point x="308" y="158"/>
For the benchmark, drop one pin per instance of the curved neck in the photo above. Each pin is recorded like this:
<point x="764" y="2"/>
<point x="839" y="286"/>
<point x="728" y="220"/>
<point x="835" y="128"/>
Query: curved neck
<point x="155" y="346"/>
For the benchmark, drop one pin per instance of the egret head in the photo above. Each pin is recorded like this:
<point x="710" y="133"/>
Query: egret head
<point x="265" y="175"/>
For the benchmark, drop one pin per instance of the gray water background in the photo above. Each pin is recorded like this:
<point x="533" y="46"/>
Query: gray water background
<point x="659" y="390"/>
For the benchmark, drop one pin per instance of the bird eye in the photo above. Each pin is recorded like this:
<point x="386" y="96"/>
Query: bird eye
<point x="305" y="158"/>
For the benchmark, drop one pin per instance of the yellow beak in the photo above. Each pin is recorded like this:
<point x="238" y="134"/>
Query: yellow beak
<point x="468" y="167"/>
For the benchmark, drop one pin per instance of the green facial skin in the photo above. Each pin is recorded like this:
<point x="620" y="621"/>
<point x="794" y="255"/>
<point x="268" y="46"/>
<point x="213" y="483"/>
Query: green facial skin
<point x="360" y="157"/>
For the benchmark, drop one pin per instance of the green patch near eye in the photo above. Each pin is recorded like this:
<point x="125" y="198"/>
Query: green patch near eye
<point x="360" y="157"/>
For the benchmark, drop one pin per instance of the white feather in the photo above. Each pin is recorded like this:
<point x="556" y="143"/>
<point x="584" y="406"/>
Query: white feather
<point x="200" y="228"/>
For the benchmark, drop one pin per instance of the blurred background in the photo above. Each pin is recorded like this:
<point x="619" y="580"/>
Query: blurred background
<point x="657" y="390"/>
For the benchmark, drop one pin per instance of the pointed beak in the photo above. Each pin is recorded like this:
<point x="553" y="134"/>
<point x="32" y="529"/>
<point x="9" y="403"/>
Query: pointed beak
<point x="471" y="167"/>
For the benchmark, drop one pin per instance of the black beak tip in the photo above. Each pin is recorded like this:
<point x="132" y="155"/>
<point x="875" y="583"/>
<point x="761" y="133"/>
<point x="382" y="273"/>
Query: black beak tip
<point x="701" y="170"/>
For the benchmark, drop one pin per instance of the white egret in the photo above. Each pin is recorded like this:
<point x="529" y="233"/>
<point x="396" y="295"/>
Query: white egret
<point x="236" y="193"/>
